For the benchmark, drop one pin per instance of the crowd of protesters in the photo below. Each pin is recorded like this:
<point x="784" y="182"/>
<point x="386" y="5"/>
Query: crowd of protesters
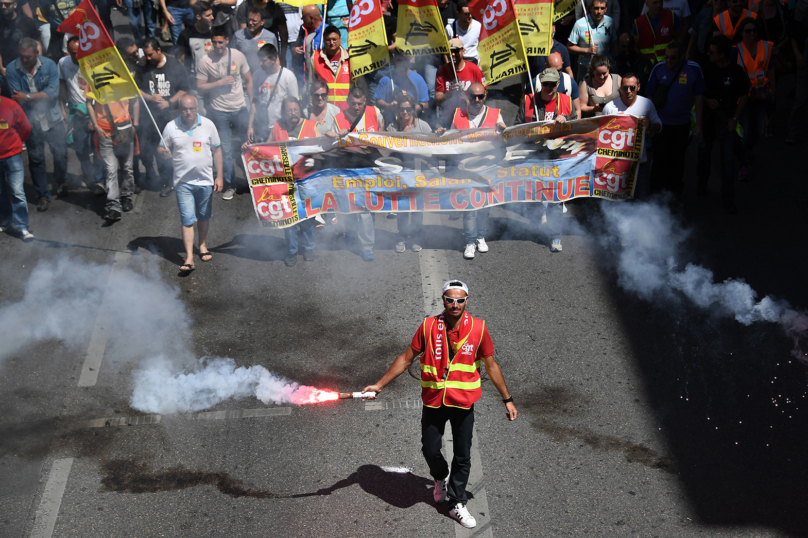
<point x="231" y="73"/>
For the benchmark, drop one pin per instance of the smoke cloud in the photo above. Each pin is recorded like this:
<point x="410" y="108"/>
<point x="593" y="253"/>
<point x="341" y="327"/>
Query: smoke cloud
<point x="645" y="239"/>
<point x="159" y="389"/>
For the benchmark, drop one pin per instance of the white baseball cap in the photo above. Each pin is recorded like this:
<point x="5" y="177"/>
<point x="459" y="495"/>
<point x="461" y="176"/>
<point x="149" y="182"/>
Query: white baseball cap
<point x="455" y="285"/>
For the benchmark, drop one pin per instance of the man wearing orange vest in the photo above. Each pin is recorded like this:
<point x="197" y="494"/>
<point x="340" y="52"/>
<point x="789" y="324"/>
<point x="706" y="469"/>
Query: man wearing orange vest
<point x="292" y="126"/>
<point x="330" y="64"/>
<point x="450" y="384"/>
<point x="655" y="29"/>
<point x="360" y="118"/>
<point x="476" y="116"/>
<point x="727" y="22"/>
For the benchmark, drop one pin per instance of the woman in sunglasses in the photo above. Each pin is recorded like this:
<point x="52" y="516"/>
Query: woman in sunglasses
<point x="599" y="87"/>
<point x="409" y="223"/>
<point x="755" y="56"/>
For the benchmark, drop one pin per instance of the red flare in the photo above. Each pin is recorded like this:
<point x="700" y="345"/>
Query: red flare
<point x="318" y="396"/>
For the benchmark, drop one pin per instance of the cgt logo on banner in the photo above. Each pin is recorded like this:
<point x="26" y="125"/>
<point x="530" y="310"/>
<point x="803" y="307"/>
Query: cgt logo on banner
<point x="419" y="31"/>
<point x="500" y="47"/>
<point x="536" y="25"/>
<point x="457" y="171"/>
<point x="367" y="39"/>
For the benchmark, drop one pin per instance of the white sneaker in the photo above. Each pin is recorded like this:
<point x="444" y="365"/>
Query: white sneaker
<point x="563" y="207"/>
<point x="481" y="246"/>
<point x="439" y="493"/>
<point x="556" y="245"/>
<point x="461" y="514"/>
<point x="26" y="235"/>
<point x="544" y="219"/>
<point x="469" y="252"/>
<point x="228" y="194"/>
<point x="319" y="218"/>
<point x="400" y="247"/>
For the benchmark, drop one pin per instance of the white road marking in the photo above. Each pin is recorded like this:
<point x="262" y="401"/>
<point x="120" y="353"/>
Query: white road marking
<point x="206" y="415"/>
<point x="98" y="341"/>
<point x="48" y="509"/>
<point x="380" y="405"/>
<point x="434" y="272"/>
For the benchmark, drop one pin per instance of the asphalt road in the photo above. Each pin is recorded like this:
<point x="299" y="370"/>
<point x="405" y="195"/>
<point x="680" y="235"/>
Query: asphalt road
<point x="636" y="419"/>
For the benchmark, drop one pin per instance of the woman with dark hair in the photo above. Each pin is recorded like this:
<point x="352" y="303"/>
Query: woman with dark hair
<point x="405" y="120"/>
<point x="410" y="223"/>
<point x="755" y="57"/>
<point x="599" y="87"/>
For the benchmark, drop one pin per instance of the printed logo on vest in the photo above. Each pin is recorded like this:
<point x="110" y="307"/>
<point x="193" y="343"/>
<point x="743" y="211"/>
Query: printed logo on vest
<point x="665" y="31"/>
<point x="468" y="349"/>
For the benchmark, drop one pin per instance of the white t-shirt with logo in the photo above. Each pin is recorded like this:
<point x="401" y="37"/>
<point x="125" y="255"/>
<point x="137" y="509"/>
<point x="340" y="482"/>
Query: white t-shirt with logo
<point x="263" y="85"/>
<point x="642" y="108"/>
<point x="191" y="151"/>
<point x="76" y="85"/>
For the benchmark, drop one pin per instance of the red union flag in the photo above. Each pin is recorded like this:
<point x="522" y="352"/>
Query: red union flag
<point x="100" y="62"/>
<point x="501" y="51"/>
<point x="367" y="40"/>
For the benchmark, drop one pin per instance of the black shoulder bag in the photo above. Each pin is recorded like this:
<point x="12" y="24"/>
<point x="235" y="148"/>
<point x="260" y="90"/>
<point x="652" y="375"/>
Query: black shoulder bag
<point x="661" y="94"/>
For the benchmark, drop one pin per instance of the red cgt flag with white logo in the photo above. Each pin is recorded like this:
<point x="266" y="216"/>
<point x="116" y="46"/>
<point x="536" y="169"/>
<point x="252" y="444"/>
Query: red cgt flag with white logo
<point x="100" y="62"/>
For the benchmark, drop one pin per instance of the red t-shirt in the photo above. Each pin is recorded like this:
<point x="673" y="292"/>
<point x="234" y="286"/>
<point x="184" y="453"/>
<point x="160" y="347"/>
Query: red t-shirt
<point x="485" y="350"/>
<point x="549" y="109"/>
<point x="14" y="128"/>
<point x="465" y="77"/>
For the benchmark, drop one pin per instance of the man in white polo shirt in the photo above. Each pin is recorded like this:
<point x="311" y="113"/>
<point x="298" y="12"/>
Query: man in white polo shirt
<point x="192" y="143"/>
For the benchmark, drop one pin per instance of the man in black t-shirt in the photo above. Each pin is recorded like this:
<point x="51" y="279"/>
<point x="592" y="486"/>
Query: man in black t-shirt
<point x="163" y="81"/>
<point x="194" y="41"/>
<point x="724" y="100"/>
<point x="14" y="27"/>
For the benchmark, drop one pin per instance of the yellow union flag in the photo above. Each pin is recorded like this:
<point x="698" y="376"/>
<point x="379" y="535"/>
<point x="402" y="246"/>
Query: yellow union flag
<point x="100" y="62"/>
<point x="501" y="51"/>
<point x="420" y="30"/>
<point x="367" y="39"/>
<point x="536" y="25"/>
<point x="562" y="8"/>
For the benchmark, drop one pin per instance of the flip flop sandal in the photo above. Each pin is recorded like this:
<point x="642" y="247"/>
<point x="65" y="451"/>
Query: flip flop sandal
<point x="209" y="255"/>
<point x="187" y="267"/>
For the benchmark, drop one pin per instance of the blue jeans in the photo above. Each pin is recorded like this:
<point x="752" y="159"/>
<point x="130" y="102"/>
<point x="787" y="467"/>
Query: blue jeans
<point x="727" y="145"/>
<point x="194" y="202"/>
<point x="363" y="225"/>
<point x="240" y="120"/>
<point x="81" y="145"/>
<point x="55" y="138"/>
<point x="13" y="205"/>
<point x="149" y="17"/>
<point x="555" y="221"/>
<point x="181" y="15"/>
<point x="307" y="231"/>
<point x="475" y="224"/>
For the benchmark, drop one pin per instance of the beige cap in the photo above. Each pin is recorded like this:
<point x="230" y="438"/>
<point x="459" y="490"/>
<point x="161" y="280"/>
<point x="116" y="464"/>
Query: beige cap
<point x="456" y="44"/>
<point x="549" y="75"/>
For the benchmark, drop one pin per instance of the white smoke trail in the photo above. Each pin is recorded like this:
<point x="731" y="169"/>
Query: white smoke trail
<point x="158" y="388"/>
<point x="646" y="238"/>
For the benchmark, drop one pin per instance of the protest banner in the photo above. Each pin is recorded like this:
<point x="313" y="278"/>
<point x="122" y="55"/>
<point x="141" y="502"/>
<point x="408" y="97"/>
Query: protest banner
<point x="500" y="48"/>
<point x="562" y="8"/>
<point x="420" y="31"/>
<point x="458" y="171"/>
<point x="536" y="25"/>
<point x="367" y="40"/>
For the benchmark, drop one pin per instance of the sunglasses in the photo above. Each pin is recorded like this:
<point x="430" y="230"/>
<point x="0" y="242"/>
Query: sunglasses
<point x="452" y="300"/>
<point x="629" y="88"/>
<point x="407" y="109"/>
<point x="672" y="58"/>
<point x="7" y="4"/>
<point x="548" y="84"/>
<point x="476" y="96"/>
<point x="320" y="95"/>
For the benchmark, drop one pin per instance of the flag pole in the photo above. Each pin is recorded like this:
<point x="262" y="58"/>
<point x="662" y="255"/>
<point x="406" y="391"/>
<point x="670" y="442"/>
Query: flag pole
<point x="324" y="23"/>
<point x="527" y="63"/>
<point x="152" y="117"/>
<point x="586" y="18"/>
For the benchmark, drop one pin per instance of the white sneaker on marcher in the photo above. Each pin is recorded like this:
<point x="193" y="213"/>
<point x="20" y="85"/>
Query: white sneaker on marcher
<point x="481" y="246"/>
<point x="555" y="246"/>
<point x="544" y="219"/>
<point x="469" y="252"/>
<point x="563" y="207"/>
<point x="26" y="236"/>
<point x="461" y="514"/>
<point x="228" y="194"/>
<point x="439" y="493"/>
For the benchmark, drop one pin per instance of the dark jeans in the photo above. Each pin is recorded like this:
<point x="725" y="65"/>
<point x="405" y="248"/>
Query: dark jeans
<point x="55" y="138"/>
<point x="554" y="226"/>
<point x="727" y="145"/>
<point x="410" y="224"/>
<point x="433" y="424"/>
<point x="81" y="145"/>
<point x="240" y="120"/>
<point x="306" y="230"/>
<point x="149" y="140"/>
<point x="670" y="146"/>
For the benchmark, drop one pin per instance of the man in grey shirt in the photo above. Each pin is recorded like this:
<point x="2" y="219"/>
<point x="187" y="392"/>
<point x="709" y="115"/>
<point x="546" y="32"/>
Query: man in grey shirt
<point x="251" y="39"/>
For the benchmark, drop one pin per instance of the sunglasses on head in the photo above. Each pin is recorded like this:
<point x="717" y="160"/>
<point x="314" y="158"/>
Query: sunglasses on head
<point x="476" y="96"/>
<point x="629" y="88"/>
<point x="452" y="300"/>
